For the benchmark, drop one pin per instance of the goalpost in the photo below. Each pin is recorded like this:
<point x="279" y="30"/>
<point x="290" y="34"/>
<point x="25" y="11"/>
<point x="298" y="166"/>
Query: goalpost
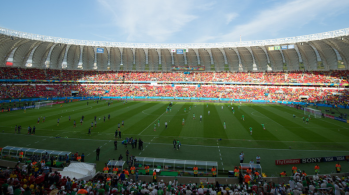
<point x="38" y="105"/>
<point x="311" y="111"/>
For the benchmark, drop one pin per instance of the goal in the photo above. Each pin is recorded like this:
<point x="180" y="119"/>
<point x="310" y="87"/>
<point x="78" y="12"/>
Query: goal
<point x="314" y="112"/>
<point x="38" y="105"/>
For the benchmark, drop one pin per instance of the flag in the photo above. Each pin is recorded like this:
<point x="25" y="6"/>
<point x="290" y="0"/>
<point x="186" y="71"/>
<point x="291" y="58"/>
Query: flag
<point x="186" y="50"/>
<point x="173" y="50"/>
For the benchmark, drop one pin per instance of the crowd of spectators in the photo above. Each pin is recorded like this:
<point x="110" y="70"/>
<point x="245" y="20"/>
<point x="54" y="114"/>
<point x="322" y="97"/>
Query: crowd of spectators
<point x="32" y="179"/>
<point x="334" y="76"/>
<point x="273" y="93"/>
<point x="13" y="91"/>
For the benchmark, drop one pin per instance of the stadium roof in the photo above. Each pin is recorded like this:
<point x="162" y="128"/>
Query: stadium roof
<point x="322" y="51"/>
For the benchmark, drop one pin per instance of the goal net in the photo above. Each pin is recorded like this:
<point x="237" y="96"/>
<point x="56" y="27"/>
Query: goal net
<point x="314" y="112"/>
<point x="39" y="105"/>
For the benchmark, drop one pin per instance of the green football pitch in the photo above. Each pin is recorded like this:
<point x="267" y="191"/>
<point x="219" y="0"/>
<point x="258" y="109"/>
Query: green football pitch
<point x="285" y="137"/>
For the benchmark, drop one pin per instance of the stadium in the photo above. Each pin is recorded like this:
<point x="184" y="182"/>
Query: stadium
<point x="212" y="110"/>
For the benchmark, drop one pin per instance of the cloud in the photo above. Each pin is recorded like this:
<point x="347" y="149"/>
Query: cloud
<point x="293" y="14"/>
<point x="149" y="21"/>
<point x="230" y="17"/>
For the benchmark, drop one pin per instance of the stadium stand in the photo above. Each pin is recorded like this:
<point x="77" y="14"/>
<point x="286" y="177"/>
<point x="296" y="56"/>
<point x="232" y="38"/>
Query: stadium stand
<point x="312" y="77"/>
<point x="34" y="179"/>
<point x="245" y="71"/>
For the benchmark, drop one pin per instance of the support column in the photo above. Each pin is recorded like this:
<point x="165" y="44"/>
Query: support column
<point x="185" y="58"/>
<point x="80" y="59"/>
<point x="250" y="50"/>
<point x="95" y="63"/>
<point x="134" y="55"/>
<point x="266" y="53"/>
<point x="30" y="58"/>
<point x="197" y="55"/>
<point x="283" y="57"/>
<point x="47" y="62"/>
<point x="210" y="53"/>
<point x="146" y="55"/>
<point x="65" y="57"/>
<point x="121" y="50"/>
<point x="225" y="57"/>
<point x="159" y="54"/>
<point x="298" y="53"/>
<point x="238" y="54"/>
<point x="171" y="56"/>
<point x="108" y="49"/>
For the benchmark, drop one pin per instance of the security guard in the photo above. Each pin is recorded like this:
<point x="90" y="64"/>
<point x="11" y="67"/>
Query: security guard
<point x="196" y="171"/>
<point x="214" y="172"/>
<point x="338" y="168"/>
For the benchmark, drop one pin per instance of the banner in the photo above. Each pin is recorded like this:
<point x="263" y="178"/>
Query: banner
<point x="271" y="48"/>
<point x="179" y="51"/>
<point x="59" y="102"/>
<point x="284" y="47"/>
<point x="9" y="63"/>
<point x="100" y="50"/>
<point x="340" y="119"/>
<point x="188" y="68"/>
<point x="328" y="116"/>
<point x="21" y="108"/>
<point x="311" y="160"/>
<point x="173" y="50"/>
<point x="287" y="161"/>
<point x="277" y="48"/>
<point x="290" y="46"/>
<point x="334" y="158"/>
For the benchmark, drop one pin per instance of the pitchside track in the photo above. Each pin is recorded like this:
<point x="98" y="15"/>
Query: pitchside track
<point x="285" y="137"/>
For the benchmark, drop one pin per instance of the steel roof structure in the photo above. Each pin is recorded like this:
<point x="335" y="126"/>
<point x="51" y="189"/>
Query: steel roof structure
<point x="322" y="51"/>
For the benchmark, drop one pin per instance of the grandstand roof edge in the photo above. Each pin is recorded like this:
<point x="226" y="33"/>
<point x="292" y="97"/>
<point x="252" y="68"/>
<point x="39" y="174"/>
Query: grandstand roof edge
<point x="279" y="41"/>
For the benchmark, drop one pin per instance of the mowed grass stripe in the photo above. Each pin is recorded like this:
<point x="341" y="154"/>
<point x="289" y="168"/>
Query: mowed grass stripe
<point x="234" y="130"/>
<point x="193" y="127"/>
<point x="104" y="110"/>
<point x="302" y="132"/>
<point x="32" y="115"/>
<point x="276" y="128"/>
<point x="99" y="112"/>
<point x="175" y="127"/>
<point x="256" y="126"/>
<point x="50" y="126"/>
<point x="213" y="126"/>
<point x="134" y="119"/>
<point x="326" y="123"/>
<point x="315" y="126"/>
<point x="75" y="112"/>
<point x="144" y="120"/>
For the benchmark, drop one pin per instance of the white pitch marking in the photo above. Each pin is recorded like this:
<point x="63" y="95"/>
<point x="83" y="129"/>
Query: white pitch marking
<point x="151" y="123"/>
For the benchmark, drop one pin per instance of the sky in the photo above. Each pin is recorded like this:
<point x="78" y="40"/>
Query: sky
<point x="169" y="21"/>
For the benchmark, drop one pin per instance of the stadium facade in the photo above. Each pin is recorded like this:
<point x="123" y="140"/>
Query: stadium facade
<point x="323" y="51"/>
